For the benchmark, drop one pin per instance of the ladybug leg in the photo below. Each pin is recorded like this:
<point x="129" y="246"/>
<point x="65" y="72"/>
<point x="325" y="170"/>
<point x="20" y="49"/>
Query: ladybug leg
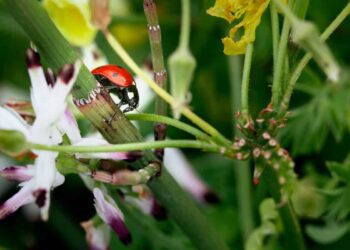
<point x="131" y="97"/>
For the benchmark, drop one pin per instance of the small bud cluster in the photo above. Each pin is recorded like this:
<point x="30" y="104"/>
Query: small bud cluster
<point x="260" y="144"/>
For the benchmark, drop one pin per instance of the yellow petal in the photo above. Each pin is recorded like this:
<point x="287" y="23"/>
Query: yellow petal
<point x="73" y="19"/>
<point x="249" y="11"/>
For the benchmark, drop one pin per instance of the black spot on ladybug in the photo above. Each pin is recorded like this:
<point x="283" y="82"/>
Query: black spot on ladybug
<point x="40" y="197"/>
<point x="66" y="73"/>
<point x="32" y="58"/>
<point x="115" y="74"/>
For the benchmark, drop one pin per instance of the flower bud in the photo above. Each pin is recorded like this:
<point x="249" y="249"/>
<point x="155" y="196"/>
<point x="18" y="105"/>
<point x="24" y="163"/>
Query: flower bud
<point x="181" y="67"/>
<point x="307" y="36"/>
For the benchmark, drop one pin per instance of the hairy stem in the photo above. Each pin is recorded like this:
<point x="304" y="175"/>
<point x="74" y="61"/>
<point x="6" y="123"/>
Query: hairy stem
<point x="56" y="51"/>
<point x="159" y="71"/>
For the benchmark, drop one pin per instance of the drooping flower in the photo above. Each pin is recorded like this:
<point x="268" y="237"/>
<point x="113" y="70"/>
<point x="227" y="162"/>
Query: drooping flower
<point x="73" y="19"/>
<point x="110" y="213"/>
<point x="48" y="98"/>
<point x="248" y="14"/>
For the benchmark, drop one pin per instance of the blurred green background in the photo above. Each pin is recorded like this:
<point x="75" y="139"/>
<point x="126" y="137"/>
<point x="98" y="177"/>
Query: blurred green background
<point x="72" y="203"/>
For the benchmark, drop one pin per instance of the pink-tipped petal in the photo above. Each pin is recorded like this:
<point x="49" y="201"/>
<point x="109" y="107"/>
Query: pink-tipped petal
<point x="178" y="166"/>
<point x="65" y="80"/>
<point x="22" y="197"/>
<point x="109" y="212"/>
<point x="32" y="58"/>
<point x="50" y="77"/>
<point x="17" y="173"/>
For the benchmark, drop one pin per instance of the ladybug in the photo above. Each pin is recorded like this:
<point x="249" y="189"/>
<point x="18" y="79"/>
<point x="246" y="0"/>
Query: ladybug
<point x="119" y="82"/>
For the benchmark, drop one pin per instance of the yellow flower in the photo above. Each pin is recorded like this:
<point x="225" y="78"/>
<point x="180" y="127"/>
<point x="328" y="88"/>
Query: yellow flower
<point x="247" y="13"/>
<point x="73" y="19"/>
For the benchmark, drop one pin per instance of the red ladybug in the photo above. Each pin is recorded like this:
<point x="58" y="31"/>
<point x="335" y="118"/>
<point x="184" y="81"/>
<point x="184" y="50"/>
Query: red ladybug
<point x="120" y="82"/>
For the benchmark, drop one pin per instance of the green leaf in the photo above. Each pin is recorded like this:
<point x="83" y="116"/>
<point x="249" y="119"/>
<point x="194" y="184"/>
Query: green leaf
<point x="341" y="170"/>
<point x="269" y="215"/>
<point x="327" y="234"/>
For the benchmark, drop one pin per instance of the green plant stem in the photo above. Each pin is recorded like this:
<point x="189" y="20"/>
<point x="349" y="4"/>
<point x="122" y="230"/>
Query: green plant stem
<point x="286" y="11"/>
<point x="245" y="81"/>
<point x="306" y="58"/>
<point x="159" y="71"/>
<point x="241" y="168"/>
<point x="275" y="33"/>
<point x="164" y="94"/>
<point x="130" y="146"/>
<point x="185" y="24"/>
<point x="279" y="68"/>
<point x="172" y="122"/>
<point x="56" y="51"/>
<point x="292" y="234"/>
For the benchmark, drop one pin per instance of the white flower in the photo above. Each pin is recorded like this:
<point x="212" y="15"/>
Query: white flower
<point x="48" y="98"/>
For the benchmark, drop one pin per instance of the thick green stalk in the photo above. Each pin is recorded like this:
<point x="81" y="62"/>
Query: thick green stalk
<point x="242" y="170"/>
<point x="292" y="234"/>
<point x="159" y="71"/>
<point x="307" y="57"/>
<point x="130" y="146"/>
<point x="56" y="51"/>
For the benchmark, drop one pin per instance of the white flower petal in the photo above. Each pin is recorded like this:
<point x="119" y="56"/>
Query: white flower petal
<point x="69" y="126"/>
<point x="22" y="197"/>
<point x="45" y="179"/>
<point x="10" y="120"/>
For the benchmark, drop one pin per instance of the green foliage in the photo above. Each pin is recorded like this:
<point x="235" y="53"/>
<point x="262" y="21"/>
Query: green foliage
<point x="258" y="240"/>
<point x="326" y="112"/>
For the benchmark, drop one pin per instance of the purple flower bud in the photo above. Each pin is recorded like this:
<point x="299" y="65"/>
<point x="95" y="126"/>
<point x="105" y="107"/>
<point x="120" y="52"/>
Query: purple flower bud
<point x="32" y="58"/>
<point x="50" y="77"/>
<point x="66" y="73"/>
<point x="17" y="173"/>
<point x="109" y="212"/>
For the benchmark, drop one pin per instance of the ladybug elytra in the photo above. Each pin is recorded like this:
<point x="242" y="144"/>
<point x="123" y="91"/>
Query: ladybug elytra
<point x="119" y="82"/>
